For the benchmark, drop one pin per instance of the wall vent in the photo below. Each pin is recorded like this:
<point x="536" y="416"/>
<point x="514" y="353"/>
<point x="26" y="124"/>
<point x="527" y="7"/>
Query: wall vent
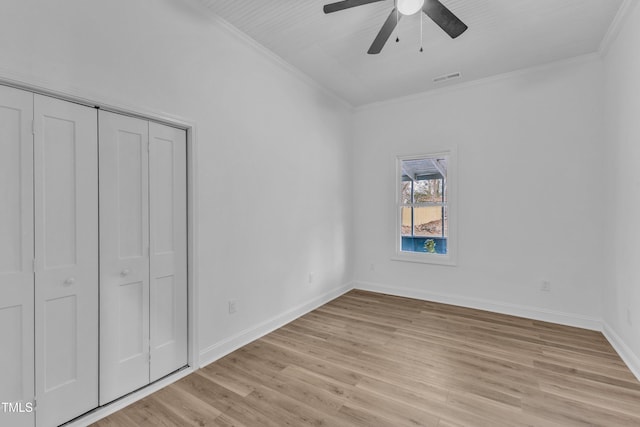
<point x="446" y="77"/>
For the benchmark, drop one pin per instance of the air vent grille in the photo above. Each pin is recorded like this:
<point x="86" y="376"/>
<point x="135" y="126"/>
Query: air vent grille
<point x="446" y="77"/>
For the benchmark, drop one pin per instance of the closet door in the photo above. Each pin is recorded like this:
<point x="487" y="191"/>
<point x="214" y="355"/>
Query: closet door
<point x="124" y="255"/>
<point x="168" y="249"/>
<point x="16" y="255"/>
<point x="66" y="247"/>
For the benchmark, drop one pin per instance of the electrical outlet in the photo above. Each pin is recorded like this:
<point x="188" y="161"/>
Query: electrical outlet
<point x="629" y="317"/>
<point x="312" y="277"/>
<point x="233" y="306"/>
<point x="545" y="286"/>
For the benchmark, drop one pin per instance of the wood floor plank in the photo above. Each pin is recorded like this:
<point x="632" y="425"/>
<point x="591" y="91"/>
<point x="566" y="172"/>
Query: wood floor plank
<point x="395" y="412"/>
<point x="316" y="364"/>
<point x="224" y="420"/>
<point x="190" y="409"/>
<point x="229" y="403"/>
<point x="149" y="412"/>
<point x="117" y="419"/>
<point x="368" y="359"/>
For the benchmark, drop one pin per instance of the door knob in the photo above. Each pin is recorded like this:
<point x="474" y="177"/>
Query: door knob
<point x="125" y="272"/>
<point x="70" y="281"/>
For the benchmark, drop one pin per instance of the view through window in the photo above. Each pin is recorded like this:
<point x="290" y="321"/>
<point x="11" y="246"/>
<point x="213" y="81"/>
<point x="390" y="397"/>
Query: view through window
<point x="423" y="204"/>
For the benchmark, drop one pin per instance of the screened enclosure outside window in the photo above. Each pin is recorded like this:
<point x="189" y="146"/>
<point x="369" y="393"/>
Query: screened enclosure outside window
<point x="424" y="206"/>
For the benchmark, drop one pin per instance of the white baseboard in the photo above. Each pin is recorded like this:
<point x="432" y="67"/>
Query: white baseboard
<point x="222" y="348"/>
<point x="568" y="319"/>
<point x="626" y="354"/>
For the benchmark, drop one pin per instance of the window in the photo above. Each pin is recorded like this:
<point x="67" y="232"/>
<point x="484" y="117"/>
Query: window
<point x="424" y="200"/>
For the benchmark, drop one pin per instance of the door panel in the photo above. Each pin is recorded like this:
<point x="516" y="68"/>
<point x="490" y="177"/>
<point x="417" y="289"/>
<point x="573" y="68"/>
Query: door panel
<point x="61" y="342"/>
<point x="131" y="306"/>
<point x="66" y="248"/>
<point x="16" y="254"/>
<point x="60" y="198"/>
<point x="14" y="141"/>
<point x="124" y="260"/>
<point x="131" y="148"/>
<point x="168" y="249"/>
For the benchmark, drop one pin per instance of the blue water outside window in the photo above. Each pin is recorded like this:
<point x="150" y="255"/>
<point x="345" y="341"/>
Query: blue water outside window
<point x="417" y="244"/>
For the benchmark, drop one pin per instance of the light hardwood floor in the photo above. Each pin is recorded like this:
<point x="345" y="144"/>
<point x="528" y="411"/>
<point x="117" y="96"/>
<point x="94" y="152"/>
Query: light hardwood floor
<point x="368" y="359"/>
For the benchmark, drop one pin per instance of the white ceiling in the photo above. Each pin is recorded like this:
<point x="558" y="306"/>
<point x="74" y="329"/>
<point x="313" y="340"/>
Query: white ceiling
<point x="503" y="36"/>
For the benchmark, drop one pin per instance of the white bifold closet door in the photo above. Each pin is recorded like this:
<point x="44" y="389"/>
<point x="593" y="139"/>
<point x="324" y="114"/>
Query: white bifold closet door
<point x="16" y="255"/>
<point x="66" y="260"/>
<point x="168" y="249"/>
<point x="48" y="259"/>
<point x="143" y="258"/>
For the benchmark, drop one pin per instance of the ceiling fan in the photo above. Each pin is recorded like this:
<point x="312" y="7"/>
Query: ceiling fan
<point x="432" y="8"/>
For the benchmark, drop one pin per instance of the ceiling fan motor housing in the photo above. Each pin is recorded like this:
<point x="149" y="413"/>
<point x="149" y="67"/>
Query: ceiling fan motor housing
<point x="410" y="7"/>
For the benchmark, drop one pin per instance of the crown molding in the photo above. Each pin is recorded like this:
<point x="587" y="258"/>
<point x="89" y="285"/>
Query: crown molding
<point x="581" y="59"/>
<point x="616" y="26"/>
<point x="265" y="52"/>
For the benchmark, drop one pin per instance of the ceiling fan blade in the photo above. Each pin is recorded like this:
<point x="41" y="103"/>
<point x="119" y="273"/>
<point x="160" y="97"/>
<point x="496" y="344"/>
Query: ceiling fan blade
<point x="346" y="4"/>
<point x="444" y="18"/>
<point x="384" y="33"/>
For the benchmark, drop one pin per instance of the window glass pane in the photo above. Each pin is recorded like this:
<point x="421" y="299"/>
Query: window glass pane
<point x="429" y="221"/>
<point x="406" y="221"/>
<point x="428" y="191"/>
<point x="405" y="195"/>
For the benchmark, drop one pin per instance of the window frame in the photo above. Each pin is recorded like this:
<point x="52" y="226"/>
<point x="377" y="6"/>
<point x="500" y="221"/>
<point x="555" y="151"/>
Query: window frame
<point x="450" y="205"/>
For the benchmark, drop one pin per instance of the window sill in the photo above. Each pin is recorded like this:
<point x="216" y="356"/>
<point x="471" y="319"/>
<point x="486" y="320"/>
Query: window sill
<point x="424" y="258"/>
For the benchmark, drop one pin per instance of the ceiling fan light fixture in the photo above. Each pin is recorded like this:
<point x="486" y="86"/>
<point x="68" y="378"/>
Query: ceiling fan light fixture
<point x="409" y="7"/>
<point x="435" y="10"/>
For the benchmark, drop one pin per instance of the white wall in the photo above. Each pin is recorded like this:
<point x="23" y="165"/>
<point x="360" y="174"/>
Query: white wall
<point x="622" y="143"/>
<point x="274" y="156"/>
<point x="530" y="197"/>
<point x="273" y="149"/>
